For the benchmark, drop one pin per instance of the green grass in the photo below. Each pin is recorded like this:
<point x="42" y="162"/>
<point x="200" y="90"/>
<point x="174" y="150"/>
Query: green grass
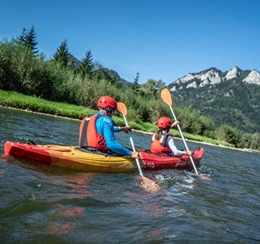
<point x="17" y="100"/>
<point x="29" y="103"/>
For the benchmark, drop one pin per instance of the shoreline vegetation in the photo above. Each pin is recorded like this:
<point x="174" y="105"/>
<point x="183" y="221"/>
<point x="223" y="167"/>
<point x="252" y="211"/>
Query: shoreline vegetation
<point x="17" y="101"/>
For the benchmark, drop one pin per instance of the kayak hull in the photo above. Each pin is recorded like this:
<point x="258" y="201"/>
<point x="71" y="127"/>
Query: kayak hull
<point x="69" y="157"/>
<point x="91" y="161"/>
<point x="154" y="161"/>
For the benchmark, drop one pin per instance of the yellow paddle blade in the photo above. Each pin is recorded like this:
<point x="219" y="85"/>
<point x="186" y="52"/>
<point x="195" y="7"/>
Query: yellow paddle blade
<point x="149" y="185"/>
<point x="166" y="96"/>
<point x="121" y="107"/>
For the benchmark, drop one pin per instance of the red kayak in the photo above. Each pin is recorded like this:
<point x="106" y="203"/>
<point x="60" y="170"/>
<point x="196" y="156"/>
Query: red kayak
<point x="156" y="162"/>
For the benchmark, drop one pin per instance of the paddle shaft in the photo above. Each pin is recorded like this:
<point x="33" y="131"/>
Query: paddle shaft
<point x="186" y="146"/>
<point x="133" y="147"/>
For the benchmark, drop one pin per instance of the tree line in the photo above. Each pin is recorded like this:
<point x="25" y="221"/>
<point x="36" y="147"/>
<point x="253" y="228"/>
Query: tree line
<point x="63" y="78"/>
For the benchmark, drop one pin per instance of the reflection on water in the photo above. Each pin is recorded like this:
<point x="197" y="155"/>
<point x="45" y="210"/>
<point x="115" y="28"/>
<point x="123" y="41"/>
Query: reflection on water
<point x="47" y="204"/>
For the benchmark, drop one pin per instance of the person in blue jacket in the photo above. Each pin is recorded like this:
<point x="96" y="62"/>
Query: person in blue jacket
<point x="97" y="131"/>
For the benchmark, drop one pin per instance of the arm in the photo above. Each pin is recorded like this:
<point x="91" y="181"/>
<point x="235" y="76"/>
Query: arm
<point x="124" y="129"/>
<point x="175" y="123"/>
<point x="117" y="128"/>
<point x="173" y="148"/>
<point x="106" y="128"/>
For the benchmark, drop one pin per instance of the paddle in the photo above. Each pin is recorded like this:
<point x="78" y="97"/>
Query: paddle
<point x="167" y="98"/>
<point x="147" y="184"/>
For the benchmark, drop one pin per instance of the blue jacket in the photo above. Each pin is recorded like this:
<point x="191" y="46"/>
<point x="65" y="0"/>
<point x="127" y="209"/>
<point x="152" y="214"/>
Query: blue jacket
<point x="105" y="126"/>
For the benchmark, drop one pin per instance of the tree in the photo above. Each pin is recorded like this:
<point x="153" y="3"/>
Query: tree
<point x="152" y="87"/>
<point x="22" y="37"/>
<point x="207" y="126"/>
<point x="87" y="65"/>
<point x="8" y="75"/>
<point x="229" y="134"/>
<point x="246" y="140"/>
<point x="103" y="73"/>
<point x="255" y="143"/>
<point x="135" y="84"/>
<point x="31" y="40"/>
<point x="62" y="54"/>
<point x="28" y="38"/>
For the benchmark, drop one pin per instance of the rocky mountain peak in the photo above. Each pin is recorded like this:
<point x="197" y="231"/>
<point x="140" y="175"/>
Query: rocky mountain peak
<point x="233" y="73"/>
<point x="214" y="76"/>
<point x="253" y="77"/>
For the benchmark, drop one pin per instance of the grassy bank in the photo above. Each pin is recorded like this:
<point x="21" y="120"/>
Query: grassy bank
<point x="38" y="105"/>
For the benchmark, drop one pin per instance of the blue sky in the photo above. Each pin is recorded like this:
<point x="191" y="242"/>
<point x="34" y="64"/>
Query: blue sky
<point x="160" y="39"/>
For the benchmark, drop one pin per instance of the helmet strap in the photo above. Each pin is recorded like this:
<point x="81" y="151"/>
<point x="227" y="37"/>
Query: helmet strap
<point x="108" y="110"/>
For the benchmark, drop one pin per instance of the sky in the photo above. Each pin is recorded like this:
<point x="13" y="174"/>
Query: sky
<point x="160" y="39"/>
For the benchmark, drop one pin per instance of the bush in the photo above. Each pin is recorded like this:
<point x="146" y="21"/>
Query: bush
<point x="229" y="134"/>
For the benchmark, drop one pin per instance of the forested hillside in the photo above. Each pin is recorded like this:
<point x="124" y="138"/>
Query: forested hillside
<point x="227" y="99"/>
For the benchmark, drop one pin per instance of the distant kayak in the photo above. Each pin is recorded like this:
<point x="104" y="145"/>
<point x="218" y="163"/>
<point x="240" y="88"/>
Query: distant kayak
<point x="92" y="160"/>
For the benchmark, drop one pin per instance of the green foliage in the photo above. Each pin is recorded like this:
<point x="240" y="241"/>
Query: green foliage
<point x="207" y="126"/>
<point x="8" y="76"/>
<point x="111" y="76"/>
<point x="229" y="134"/>
<point x="246" y="140"/>
<point x="250" y="141"/>
<point x="17" y="100"/>
<point x="62" y="54"/>
<point x="232" y="102"/>
<point x="135" y="85"/>
<point x="151" y="88"/>
<point x="156" y="109"/>
<point x="86" y="67"/>
<point x="255" y="142"/>
<point x="28" y="38"/>
<point x="22" y="72"/>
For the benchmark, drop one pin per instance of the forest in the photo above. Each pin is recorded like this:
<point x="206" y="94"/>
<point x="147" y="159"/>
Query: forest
<point x="63" y="78"/>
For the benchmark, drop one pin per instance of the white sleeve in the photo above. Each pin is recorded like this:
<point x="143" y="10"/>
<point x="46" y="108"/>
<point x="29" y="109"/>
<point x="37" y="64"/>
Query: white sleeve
<point x="173" y="148"/>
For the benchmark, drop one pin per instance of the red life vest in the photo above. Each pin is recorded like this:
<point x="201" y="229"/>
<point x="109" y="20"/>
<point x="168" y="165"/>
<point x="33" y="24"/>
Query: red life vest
<point x="159" y="146"/>
<point x="88" y="135"/>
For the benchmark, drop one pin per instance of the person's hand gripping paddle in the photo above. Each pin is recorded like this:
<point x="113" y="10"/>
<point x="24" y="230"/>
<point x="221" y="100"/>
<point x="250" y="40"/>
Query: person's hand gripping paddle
<point x="167" y="98"/>
<point x="147" y="184"/>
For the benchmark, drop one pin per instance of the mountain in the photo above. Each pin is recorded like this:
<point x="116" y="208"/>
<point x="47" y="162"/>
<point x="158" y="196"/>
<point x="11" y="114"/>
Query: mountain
<point x="231" y="97"/>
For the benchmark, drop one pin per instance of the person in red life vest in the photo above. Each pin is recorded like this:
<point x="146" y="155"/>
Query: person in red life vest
<point x="162" y="141"/>
<point x="97" y="131"/>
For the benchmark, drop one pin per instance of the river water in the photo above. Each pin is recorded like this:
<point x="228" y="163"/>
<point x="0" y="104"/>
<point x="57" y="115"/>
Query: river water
<point x="46" y="204"/>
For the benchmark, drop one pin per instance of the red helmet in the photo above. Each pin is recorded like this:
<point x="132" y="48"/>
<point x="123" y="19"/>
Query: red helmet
<point x="164" y="122"/>
<point x="107" y="101"/>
